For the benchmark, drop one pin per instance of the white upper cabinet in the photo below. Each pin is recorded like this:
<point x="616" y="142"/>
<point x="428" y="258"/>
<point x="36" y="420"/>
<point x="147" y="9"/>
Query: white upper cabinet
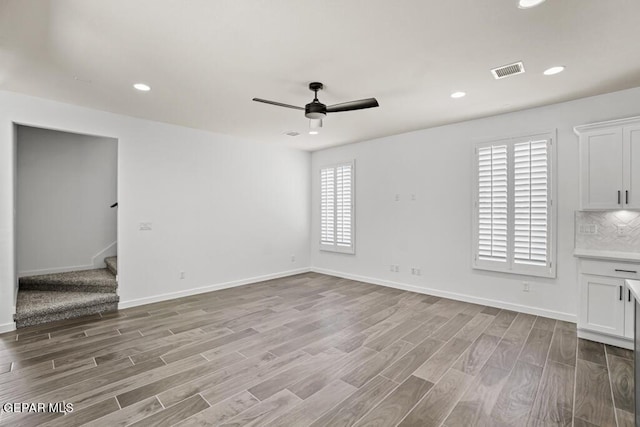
<point x="601" y="169"/>
<point x="631" y="167"/>
<point x="610" y="165"/>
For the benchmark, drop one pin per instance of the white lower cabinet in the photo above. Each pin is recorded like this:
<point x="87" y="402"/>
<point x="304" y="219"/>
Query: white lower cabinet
<point x="603" y="306"/>
<point x="606" y="305"/>
<point x="629" y="315"/>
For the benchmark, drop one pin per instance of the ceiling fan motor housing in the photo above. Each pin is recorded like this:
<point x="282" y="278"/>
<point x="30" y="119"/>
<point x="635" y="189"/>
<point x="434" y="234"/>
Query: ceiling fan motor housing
<point x="315" y="110"/>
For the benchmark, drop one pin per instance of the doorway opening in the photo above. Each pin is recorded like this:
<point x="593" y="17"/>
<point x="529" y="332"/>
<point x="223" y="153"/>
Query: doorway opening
<point x="66" y="227"/>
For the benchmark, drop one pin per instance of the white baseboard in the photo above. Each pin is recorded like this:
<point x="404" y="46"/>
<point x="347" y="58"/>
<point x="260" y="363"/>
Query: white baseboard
<point x="452" y="295"/>
<point x="607" y="339"/>
<point x="201" y="290"/>
<point x="7" y="327"/>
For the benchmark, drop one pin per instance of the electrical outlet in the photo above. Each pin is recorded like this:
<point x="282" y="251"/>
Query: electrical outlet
<point x="182" y="275"/>
<point x="622" y="230"/>
<point x="413" y="271"/>
<point x="525" y="286"/>
<point x="293" y="258"/>
<point x="418" y="273"/>
<point x="413" y="197"/>
<point x="397" y="197"/>
<point x="588" y="229"/>
<point x="145" y="226"/>
<point x="392" y="268"/>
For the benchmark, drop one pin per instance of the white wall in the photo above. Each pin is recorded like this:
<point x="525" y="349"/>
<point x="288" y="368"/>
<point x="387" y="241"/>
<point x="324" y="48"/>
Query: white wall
<point x="224" y="211"/>
<point x="434" y="232"/>
<point x="65" y="185"/>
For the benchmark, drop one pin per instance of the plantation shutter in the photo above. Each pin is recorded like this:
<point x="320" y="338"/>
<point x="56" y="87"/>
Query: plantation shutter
<point x="531" y="195"/>
<point x="343" y="205"/>
<point x="336" y="208"/>
<point x="492" y="203"/>
<point x="327" y="206"/>
<point x="513" y="200"/>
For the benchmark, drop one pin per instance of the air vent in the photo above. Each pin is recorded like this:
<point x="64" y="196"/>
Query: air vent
<point x="292" y="133"/>
<point x="508" y="70"/>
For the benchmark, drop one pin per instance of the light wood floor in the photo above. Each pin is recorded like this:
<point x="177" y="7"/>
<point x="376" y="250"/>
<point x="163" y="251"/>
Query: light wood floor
<point x="316" y="350"/>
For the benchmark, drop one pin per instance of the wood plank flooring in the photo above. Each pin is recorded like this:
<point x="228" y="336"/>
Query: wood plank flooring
<point x="315" y="350"/>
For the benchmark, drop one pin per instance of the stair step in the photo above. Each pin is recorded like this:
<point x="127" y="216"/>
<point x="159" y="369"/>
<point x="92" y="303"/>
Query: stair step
<point x="94" y="281"/>
<point x="112" y="264"/>
<point x="38" y="307"/>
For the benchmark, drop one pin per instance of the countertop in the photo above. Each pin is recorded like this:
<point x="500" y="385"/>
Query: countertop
<point x="634" y="286"/>
<point x="608" y="255"/>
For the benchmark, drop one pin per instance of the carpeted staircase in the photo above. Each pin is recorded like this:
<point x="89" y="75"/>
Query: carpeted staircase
<point x="50" y="297"/>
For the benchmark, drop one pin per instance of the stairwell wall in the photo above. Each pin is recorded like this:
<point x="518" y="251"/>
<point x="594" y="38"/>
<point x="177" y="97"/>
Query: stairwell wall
<point x="223" y="210"/>
<point x="65" y="185"/>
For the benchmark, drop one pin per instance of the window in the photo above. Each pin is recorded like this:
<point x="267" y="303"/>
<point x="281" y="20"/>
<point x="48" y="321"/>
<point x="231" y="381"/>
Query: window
<point x="513" y="201"/>
<point x="336" y="208"/>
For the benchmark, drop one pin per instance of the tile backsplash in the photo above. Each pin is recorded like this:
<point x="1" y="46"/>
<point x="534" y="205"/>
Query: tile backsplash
<point x="608" y="230"/>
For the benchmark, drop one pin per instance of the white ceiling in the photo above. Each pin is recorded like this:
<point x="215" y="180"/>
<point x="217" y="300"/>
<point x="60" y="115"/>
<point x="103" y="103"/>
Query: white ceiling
<point x="206" y="60"/>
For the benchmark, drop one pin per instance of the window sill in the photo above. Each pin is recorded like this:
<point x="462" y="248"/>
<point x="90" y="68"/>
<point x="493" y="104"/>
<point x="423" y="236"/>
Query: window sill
<point x="544" y="273"/>
<point x="338" y="250"/>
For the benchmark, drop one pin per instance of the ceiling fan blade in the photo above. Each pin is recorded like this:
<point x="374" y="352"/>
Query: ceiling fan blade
<point x="353" y="105"/>
<point x="279" y="104"/>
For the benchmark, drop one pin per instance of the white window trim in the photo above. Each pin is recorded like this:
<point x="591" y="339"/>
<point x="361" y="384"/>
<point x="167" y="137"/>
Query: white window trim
<point x="509" y="267"/>
<point x="335" y="247"/>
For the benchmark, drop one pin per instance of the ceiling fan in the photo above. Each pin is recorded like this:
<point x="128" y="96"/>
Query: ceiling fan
<point x="316" y="110"/>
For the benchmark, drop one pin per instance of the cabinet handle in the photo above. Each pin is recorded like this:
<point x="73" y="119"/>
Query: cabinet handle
<point x="626" y="271"/>
<point x="618" y="196"/>
<point x="629" y="296"/>
<point x="620" y="293"/>
<point x="626" y="196"/>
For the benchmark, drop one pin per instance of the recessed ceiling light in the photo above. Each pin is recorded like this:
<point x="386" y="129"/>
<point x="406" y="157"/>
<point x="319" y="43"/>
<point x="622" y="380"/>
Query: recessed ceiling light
<point x="458" y="94"/>
<point x="526" y="4"/>
<point x="142" y="87"/>
<point x="313" y="132"/>
<point x="553" y="70"/>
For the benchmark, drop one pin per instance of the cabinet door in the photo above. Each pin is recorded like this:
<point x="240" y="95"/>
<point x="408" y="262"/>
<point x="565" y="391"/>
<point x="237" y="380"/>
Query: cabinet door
<point x="601" y="169"/>
<point x="602" y="308"/>
<point x="631" y="173"/>
<point x="629" y="314"/>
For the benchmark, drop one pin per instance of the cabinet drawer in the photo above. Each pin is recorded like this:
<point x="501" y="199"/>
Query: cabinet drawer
<point x="625" y="270"/>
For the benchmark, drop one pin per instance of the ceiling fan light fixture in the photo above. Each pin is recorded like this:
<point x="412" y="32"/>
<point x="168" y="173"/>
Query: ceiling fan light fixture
<point x="528" y="4"/>
<point x="315" y="123"/>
